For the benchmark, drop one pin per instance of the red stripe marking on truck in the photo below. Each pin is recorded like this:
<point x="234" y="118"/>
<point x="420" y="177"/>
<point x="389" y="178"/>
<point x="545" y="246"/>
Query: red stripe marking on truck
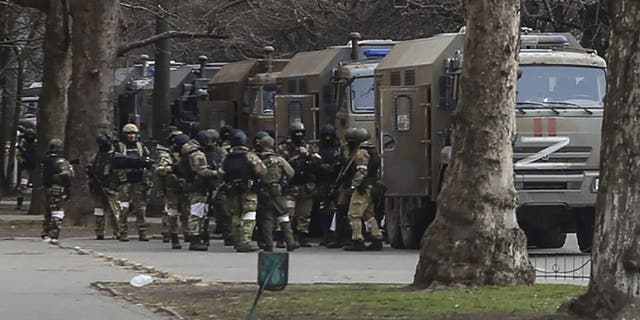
<point x="552" y="126"/>
<point x="537" y="127"/>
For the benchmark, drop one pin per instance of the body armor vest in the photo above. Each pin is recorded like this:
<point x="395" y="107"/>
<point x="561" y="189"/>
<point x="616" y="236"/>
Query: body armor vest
<point x="50" y="170"/>
<point x="237" y="166"/>
<point x="303" y="170"/>
<point x="274" y="172"/>
<point x="214" y="158"/>
<point x="374" y="163"/>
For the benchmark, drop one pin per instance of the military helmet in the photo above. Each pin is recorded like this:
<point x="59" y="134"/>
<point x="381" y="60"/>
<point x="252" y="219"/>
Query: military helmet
<point x="172" y="135"/>
<point x="130" y="128"/>
<point x="204" y="138"/>
<point x="214" y="133"/>
<point x="357" y="135"/>
<point x="266" y="142"/>
<point x="225" y="131"/>
<point x="179" y="140"/>
<point x="56" y="145"/>
<point x="237" y="138"/>
<point x="296" y="126"/>
<point x="328" y="130"/>
<point x="259" y="135"/>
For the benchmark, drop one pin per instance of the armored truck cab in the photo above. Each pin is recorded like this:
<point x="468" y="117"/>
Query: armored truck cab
<point x="262" y="102"/>
<point x="354" y="84"/>
<point x="558" y="119"/>
<point x="306" y="92"/>
<point x="228" y="97"/>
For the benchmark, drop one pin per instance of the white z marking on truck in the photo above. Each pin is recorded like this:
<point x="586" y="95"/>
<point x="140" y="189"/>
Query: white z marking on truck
<point x="558" y="143"/>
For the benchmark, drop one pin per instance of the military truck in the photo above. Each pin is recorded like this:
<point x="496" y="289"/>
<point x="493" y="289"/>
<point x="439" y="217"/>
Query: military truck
<point x="354" y="84"/>
<point x="556" y="153"/>
<point x="306" y="91"/>
<point x="233" y="91"/>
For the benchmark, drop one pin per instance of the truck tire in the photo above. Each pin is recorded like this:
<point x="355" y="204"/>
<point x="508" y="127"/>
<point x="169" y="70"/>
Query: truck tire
<point x="392" y="227"/>
<point x="585" y="222"/>
<point x="420" y="218"/>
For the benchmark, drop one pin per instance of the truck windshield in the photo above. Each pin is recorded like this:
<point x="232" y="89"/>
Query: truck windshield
<point x="362" y="95"/>
<point x="582" y="86"/>
<point x="268" y="100"/>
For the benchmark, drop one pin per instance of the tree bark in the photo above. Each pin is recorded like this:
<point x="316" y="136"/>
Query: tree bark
<point x="475" y="239"/>
<point x="52" y="105"/>
<point x="614" y="288"/>
<point x="91" y="95"/>
<point x="8" y="85"/>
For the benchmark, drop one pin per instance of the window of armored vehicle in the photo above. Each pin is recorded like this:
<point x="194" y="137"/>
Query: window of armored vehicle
<point x="252" y="99"/>
<point x="268" y="100"/>
<point x="362" y="93"/>
<point x="583" y="86"/>
<point x="295" y="111"/>
<point x="396" y="78"/>
<point x="403" y="105"/>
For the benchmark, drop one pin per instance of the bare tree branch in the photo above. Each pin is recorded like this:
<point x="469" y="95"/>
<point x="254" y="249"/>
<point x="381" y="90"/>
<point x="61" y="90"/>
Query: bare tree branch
<point x="149" y="11"/>
<point x="169" y="34"/>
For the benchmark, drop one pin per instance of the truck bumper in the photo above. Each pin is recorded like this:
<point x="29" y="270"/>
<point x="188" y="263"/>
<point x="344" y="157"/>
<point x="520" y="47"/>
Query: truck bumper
<point x="572" y="190"/>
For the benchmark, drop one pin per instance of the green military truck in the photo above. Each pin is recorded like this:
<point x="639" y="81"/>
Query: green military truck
<point x="306" y="92"/>
<point x="236" y="89"/>
<point x="556" y="153"/>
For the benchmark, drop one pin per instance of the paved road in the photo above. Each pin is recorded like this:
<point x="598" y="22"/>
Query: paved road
<point x="41" y="281"/>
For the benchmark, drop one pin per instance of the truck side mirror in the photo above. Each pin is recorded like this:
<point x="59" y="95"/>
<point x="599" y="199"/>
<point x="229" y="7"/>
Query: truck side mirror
<point x="447" y="99"/>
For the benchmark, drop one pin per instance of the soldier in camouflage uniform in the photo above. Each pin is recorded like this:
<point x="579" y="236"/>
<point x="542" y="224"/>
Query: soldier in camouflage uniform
<point x="242" y="170"/>
<point x="302" y="187"/>
<point x="197" y="187"/>
<point x="26" y="157"/>
<point x="103" y="185"/>
<point x="331" y="152"/>
<point x="216" y="200"/>
<point x="170" y="188"/>
<point x="272" y="203"/>
<point x="357" y="179"/>
<point x="135" y="181"/>
<point x="224" y="142"/>
<point x="56" y="180"/>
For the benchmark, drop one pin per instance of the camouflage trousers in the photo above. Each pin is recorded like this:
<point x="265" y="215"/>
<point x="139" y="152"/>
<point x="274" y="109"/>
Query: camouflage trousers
<point x="299" y="207"/>
<point x="54" y="212"/>
<point x="361" y="209"/>
<point x="272" y="211"/>
<point x="223" y="218"/>
<point x="133" y="199"/>
<point x="198" y="212"/>
<point x="176" y="211"/>
<point x="242" y="208"/>
<point x="106" y="206"/>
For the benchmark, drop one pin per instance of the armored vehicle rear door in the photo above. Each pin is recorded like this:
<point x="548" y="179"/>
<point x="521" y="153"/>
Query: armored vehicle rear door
<point x="406" y="144"/>
<point x="292" y="108"/>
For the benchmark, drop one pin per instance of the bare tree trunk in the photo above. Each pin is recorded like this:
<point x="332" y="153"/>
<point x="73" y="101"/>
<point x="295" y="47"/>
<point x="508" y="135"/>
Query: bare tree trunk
<point x="614" y="289"/>
<point x="91" y="95"/>
<point x="9" y="90"/>
<point x="16" y="113"/>
<point x="475" y="239"/>
<point x="52" y="105"/>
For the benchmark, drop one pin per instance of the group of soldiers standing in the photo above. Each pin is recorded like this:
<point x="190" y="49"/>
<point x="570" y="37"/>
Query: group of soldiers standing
<point x="254" y="191"/>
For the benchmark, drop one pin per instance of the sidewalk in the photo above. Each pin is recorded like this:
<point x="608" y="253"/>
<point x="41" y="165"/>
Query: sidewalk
<point x="41" y="281"/>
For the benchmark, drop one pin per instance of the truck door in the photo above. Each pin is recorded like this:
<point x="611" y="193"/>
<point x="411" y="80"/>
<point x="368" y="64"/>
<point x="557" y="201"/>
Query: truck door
<point x="292" y="108"/>
<point x="406" y="145"/>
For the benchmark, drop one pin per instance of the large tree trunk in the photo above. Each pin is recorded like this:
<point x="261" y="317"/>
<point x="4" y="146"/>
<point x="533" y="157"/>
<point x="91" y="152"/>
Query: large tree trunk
<point x="8" y="86"/>
<point x="91" y="99"/>
<point x="614" y="289"/>
<point x="52" y="105"/>
<point x="475" y="239"/>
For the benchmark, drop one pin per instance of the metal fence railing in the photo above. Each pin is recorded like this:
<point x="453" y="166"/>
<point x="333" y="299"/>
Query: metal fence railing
<point x="562" y="266"/>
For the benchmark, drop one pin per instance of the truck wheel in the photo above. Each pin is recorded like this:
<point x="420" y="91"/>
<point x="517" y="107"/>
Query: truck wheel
<point x="392" y="226"/>
<point x="585" y="222"/>
<point x="552" y="239"/>
<point x="420" y="218"/>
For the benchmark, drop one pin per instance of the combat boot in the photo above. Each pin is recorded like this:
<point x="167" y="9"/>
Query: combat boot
<point x="288" y="236"/>
<point x="142" y="236"/>
<point x="197" y="245"/>
<point x="248" y="248"/>
<point x="228" y="241"/>
<point x="166" y="237"/>
<point x="100" y="237"/>
<point x="19" y="203"/>
<point x="205" y="237"/>
<point x="175" y="241"/>
<point x="356" y="245"/>
<point x="124" y="237"/>
<point x="302" y="240"/>
<point x="376" y="245"/>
